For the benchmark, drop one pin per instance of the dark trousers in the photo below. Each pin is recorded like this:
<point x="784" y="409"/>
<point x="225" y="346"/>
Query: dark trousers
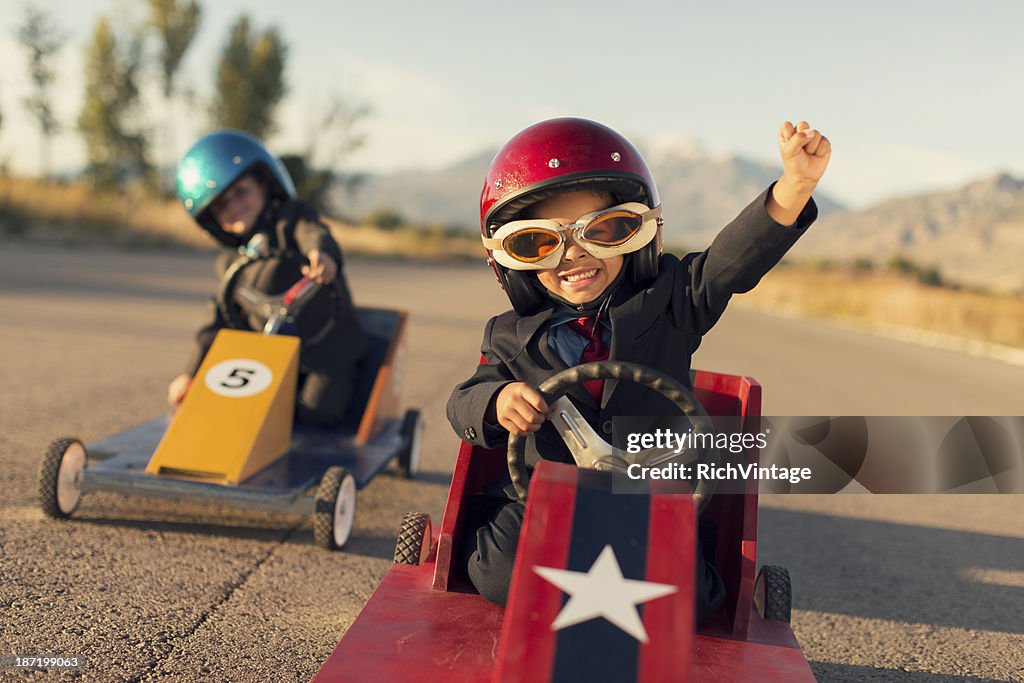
<point x="322" y="399"/>
<point x="489" y="553"/>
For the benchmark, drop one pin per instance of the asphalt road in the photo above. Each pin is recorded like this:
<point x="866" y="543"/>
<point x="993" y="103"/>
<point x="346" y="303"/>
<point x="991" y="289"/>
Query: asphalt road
<point x="906" y="588"/>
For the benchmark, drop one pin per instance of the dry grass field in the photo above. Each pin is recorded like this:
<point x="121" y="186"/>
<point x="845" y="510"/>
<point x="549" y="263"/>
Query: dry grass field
<point x="886" y="299"/>
<point x="74" y="213"/>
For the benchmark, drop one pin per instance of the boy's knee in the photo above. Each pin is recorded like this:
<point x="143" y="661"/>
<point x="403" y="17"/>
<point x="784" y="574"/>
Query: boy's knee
<point x="490" y="580"/>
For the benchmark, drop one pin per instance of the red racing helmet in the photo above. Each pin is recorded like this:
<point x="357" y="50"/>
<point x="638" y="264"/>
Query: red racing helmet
<point x="556" y="156"/>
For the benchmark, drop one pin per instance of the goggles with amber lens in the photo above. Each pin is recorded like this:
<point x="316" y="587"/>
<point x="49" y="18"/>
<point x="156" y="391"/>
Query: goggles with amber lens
<point x="538" y="244"/>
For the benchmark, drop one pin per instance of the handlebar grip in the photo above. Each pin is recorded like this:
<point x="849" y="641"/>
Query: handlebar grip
<point x="297" y="290"/>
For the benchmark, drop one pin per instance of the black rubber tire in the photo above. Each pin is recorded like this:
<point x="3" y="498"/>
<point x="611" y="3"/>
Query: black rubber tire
<point x="49" y="468"/>
<point x="324" y="502"/>
<point x="413" y="544"/>
<point x="408" y="465"/>
<point x="773" y="593"/>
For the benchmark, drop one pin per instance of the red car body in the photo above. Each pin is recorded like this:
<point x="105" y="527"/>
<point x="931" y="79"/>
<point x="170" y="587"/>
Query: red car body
<point x="427" y="623"/>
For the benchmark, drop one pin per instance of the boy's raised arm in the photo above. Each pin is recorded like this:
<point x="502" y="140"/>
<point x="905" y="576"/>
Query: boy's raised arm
<point x="753" y="242"/>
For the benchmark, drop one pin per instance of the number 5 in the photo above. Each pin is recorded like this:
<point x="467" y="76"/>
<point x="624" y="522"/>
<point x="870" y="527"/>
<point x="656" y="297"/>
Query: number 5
<point x="236" y="374"/>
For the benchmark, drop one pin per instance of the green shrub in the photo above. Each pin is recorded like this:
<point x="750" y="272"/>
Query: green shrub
<point x="385" y="219"/>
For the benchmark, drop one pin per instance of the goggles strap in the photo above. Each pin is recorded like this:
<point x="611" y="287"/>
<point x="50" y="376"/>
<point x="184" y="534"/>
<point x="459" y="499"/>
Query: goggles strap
<point x="491" y="243"/>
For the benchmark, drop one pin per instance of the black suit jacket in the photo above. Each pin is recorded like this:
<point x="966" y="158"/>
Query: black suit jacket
<point x="296" y="229"/>
<point x="659" y="326"/>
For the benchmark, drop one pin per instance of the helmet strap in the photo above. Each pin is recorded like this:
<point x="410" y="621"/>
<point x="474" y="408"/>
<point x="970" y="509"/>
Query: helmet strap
<point x="645" y="264"/>
<point x="522" y="289"/>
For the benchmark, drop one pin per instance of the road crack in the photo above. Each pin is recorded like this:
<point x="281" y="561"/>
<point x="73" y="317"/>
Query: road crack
<point x="214" y="609"/>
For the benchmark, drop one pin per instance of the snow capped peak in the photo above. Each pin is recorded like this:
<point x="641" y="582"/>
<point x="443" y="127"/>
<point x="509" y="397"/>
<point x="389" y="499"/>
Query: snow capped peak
<point x="669" y="148"/>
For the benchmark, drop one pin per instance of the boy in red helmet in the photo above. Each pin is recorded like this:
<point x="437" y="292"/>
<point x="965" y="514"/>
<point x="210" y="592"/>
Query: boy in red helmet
<point x="571" y="219"/>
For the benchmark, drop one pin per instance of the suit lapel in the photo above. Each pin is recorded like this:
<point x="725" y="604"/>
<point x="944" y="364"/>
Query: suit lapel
<point x="623" y="318"/>
<point x="529" y="327"/>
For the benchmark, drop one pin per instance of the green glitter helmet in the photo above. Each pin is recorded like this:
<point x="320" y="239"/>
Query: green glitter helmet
<point x="216" y="161"/>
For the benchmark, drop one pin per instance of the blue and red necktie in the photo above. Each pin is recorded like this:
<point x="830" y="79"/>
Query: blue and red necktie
<point x="595" y="350"/>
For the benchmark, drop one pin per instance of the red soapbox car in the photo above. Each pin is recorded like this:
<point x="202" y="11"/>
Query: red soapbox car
<point x="603" y="586"/>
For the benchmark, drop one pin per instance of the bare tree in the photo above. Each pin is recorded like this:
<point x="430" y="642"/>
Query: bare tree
<point x="42" y="40"/>
<point x="334" y="135"/>
<point x="337" y="133"/>
<point x="250" y="79"/>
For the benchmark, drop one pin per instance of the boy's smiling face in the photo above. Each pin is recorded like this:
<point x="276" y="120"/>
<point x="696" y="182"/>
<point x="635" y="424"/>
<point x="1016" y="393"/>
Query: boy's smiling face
<point x="580" y="277"/>
<point x="237" y="209"/>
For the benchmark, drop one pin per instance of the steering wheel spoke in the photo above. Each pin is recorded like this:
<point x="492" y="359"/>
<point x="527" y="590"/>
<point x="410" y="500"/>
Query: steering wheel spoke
<point x="585" y="444"/>
<point x="251" y="300"/>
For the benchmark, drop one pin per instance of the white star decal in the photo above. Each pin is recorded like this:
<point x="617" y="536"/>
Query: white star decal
<point x="601" y="591"/>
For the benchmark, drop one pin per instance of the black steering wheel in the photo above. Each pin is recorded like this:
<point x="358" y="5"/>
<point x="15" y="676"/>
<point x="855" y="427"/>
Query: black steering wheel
<point x="588" y="448"/>
<point x="240" y="304"/>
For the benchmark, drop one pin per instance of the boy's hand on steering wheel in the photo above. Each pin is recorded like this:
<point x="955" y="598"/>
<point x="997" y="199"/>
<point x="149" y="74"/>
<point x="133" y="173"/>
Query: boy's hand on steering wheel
<point x="321" y="268"/>
<point x="520" y="408"/>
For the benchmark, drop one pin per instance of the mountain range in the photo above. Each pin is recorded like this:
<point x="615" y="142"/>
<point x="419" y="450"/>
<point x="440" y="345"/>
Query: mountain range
<point x="700" y="192"/>
<point x="973" y="234"/>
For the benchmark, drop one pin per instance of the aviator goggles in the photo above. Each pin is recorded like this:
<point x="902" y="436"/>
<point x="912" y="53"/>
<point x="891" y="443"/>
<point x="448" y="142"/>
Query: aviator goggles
<point x="538" y="244"/>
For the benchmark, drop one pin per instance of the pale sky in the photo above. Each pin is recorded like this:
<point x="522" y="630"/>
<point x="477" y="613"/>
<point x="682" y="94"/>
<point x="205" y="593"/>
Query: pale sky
<point x="914" y="95"/>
